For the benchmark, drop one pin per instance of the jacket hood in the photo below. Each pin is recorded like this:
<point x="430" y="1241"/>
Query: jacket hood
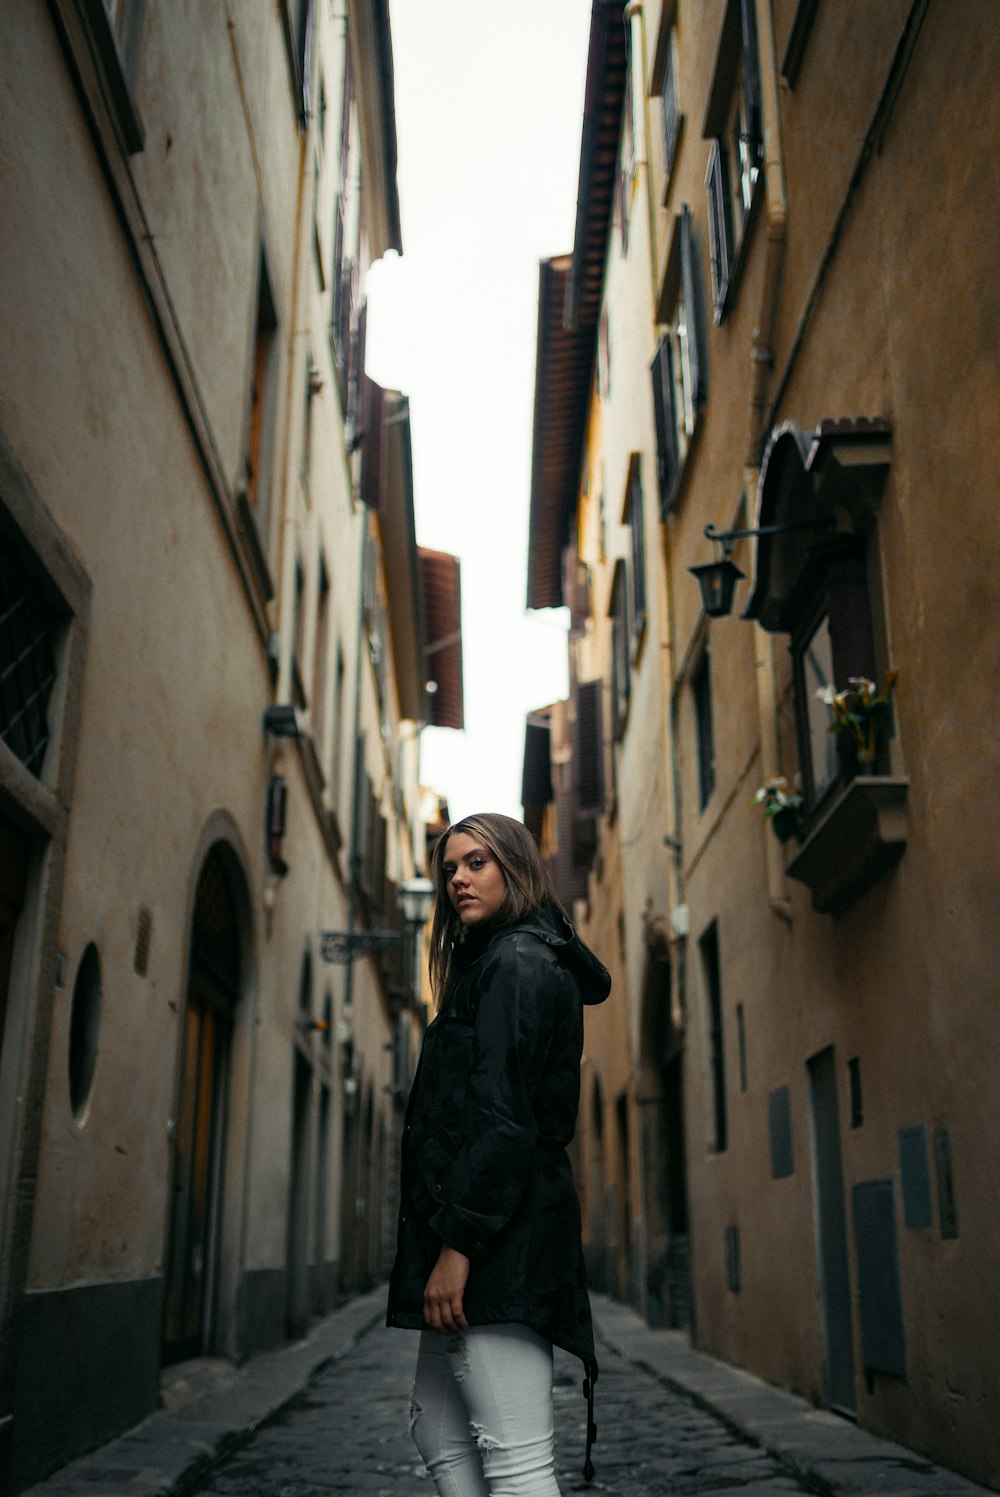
<point x="555" y="930"/>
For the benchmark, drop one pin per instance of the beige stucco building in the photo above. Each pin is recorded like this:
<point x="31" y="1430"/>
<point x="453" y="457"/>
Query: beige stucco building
<point x="213" y="623"/>
<point x="810" y="329"/>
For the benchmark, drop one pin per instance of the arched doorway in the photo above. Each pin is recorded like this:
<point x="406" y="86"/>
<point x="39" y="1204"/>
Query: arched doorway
<point x="664" y="1166"/>
<point x="198" y="1173"/>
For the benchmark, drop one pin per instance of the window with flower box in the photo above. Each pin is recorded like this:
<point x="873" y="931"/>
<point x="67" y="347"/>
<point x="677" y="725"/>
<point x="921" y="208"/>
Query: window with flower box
<point x="817" y="580"/>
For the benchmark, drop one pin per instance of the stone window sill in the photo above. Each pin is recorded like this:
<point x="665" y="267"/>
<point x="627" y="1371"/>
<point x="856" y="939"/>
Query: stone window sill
<point x="854" y="843"/>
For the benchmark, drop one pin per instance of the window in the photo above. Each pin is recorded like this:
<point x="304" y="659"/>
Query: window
<point x="679" y="369"/>
<point x="263" y="405"/>
<point x="831" y="642"/>
<point x="626" y="168"/>
<point x="701" y="687"/>
<point x="590" y="747"/>
<point x="32" y="620"/>
<point x="637" y="572"/>
<point x="621" y="684"/>
<point x="346" y="241"/>
<point x="734" y="125"/>
<point x="623" y="197"/>
<point x="604" y="356"/>
<point x="711" y="971"/>
<point x="321" y="653"/>
<point x="817" y="674"/>
<point x="298" y="627"/>
<point x="672" y="119"/>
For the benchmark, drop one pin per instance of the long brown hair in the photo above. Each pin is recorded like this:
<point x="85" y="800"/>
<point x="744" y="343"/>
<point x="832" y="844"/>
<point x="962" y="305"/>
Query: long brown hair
<point x="528" y="887"/>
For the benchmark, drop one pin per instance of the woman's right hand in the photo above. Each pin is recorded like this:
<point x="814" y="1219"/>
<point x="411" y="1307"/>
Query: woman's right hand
<point x="445" y="1290"/>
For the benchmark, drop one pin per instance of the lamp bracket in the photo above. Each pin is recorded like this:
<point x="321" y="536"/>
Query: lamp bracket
<point x="725" y="538"/>
<point x="340" y="947"/>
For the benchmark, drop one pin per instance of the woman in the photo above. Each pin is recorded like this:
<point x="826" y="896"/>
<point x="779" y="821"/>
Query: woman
<point x="489" y="1263"/>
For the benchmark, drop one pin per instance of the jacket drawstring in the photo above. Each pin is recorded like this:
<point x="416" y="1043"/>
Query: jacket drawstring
<point x="588" y="1393"/>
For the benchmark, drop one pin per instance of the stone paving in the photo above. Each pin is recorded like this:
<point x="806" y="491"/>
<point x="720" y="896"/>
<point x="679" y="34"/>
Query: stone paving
<point x="347" y="1433"/>
<point x="328" y="1414"/>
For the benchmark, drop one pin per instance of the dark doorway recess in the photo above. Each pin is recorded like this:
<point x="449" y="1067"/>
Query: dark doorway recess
<point x="200" y="1134"/>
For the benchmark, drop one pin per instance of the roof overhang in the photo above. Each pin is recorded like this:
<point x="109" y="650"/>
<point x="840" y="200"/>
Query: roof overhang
<point x="399" y="552"/>
<point x="563" y="369"/>
<point x="607" y="65"/>
<point x="570" y="291"/>
<point x="441" y="583"/>
<point x="377" y="99"/>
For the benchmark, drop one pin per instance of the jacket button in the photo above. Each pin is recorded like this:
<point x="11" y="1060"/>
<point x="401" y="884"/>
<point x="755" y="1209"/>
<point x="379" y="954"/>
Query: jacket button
<point x="438" y="1188"/>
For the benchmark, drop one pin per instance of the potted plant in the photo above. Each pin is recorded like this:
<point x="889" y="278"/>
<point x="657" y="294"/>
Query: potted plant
<point x="858" y="715"/>
<point x="782" y="806"/>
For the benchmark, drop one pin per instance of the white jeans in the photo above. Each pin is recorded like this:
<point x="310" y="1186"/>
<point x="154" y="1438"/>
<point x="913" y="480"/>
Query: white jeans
<point x="481" y="1412"/>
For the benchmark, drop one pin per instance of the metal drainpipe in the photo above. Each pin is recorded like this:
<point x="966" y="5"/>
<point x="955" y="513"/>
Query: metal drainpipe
<point x="761" y="364"/>
<point x="634" y="14"/>
<point x="357" y="767"/>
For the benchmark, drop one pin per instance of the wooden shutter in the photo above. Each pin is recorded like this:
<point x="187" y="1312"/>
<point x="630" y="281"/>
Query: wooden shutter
<point x="576" y="590"/>
<point x="372" y="404"/>
<point x="694" y="309"/>
<point x="719" y="224"/>
<point x="356" y="412"/>
<point x="671" y="114"/>
<point x="569" y="873"/>
<point x="636" y="526"/>
<point x="304" y="58"/>
<point x="589" y="747"/>
<point x="621" y="683"/>
<point x="751" y="79"/>
<point x="666" y="428"/>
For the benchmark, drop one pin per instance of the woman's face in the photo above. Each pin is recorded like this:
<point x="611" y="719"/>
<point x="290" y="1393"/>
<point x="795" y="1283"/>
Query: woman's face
<point x="473" y="878"/>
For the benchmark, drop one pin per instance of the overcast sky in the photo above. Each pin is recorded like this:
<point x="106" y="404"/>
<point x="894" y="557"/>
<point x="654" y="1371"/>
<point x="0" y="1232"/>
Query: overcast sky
<point x="489" y="112"/>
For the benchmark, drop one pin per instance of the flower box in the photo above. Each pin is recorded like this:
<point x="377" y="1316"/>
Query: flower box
<point x="853" y="843"/>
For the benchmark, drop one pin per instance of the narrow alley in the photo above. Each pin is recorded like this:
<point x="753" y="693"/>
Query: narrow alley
<point x="330" y="1414"/>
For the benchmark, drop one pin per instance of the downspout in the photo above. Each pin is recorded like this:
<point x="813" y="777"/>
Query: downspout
<point x="354" y="854"/>
<point x="761" y="366"/>
<point x="634" y="13"/>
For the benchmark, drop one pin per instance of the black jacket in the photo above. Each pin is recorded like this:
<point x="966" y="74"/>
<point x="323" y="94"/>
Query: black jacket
<point x="492" y="1109"/>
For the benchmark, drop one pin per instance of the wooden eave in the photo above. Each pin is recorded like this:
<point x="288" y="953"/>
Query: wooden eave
<point x="377" y="112"/>
<point x="399" y="554"/>
<point x="563" y="369"/>
<point x="607" y="67"/>
<point x="570" y="294"/>
<point x="441" y="586"/>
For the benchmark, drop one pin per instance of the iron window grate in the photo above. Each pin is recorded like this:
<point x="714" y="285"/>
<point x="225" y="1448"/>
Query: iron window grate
<point x="29" y="625"/>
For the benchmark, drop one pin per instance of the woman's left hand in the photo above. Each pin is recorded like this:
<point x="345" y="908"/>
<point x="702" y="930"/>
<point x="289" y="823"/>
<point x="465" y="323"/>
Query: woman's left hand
<point x="444" y="1292"/>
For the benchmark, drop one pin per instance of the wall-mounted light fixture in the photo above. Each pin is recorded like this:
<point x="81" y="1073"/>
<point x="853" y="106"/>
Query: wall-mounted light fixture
<point x="416" y="895"/>
<point x="717" y="579"/>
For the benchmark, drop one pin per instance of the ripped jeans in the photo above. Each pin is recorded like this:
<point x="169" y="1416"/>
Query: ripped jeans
<point x="481" y="1412"/>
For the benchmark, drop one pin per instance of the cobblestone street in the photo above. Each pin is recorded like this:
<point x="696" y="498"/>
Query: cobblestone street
<point x="347" y="1433"/>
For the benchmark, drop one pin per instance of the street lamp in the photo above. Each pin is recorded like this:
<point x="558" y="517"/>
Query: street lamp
<point x="416" y="895"/>
<point x="717" y="579"/>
